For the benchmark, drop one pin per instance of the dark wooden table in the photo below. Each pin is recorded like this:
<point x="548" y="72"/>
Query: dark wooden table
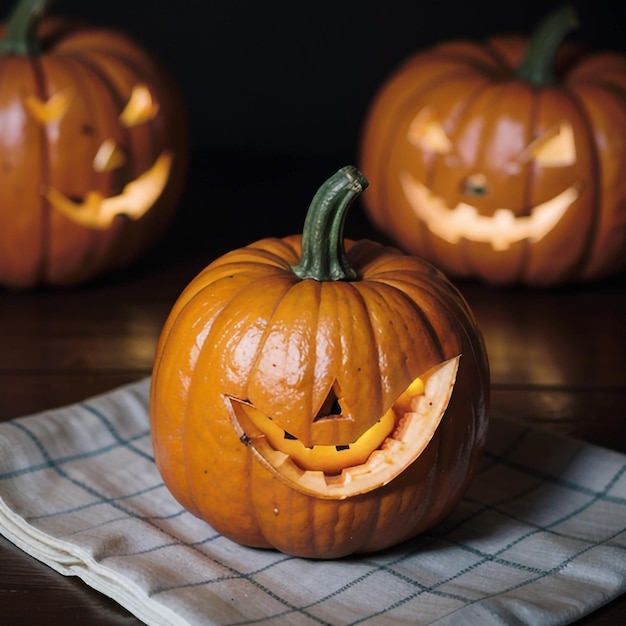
<point x="558" y="357"/>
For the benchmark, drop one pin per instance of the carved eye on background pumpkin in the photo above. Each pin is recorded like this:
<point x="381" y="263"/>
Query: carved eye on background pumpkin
<point x="505" y="167"/>
<point x="554" y="148"/>
<point x="316" y="395"/>
<point x="94" y="130"/>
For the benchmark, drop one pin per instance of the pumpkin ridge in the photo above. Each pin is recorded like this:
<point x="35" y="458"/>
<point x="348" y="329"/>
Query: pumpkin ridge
<point x="384" y="293"/>
<point x="350" y="296"/>
<point x="266" y="252"/>
<point x="260" y="372"/>
<point x="283" y="250"/>
<point x="429" y="292"/>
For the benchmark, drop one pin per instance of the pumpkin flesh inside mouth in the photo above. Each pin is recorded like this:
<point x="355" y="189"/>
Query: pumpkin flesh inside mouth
<point x="376" y="457"/>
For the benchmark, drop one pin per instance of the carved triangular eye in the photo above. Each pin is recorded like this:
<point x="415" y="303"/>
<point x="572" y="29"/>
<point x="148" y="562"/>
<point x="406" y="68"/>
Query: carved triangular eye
<point x="140" y="108"/>
<point x="331" y="407"/>
<point x="427" y="133"/>
<point x="50" y="110"/>
<point x="555" y="148"/>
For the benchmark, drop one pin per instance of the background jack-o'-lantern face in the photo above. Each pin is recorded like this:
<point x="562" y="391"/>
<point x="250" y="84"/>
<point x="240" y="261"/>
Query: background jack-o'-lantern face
<point x="489" y="164"/>
<point x="94" y="148"/>
<point x="476" y="179"/>
<point x="316" y="398"/>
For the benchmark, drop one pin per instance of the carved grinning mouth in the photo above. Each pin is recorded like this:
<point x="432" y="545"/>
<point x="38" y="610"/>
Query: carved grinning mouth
<point x="374" y="459"/>
<point x="500" y="230"/>
<point x="96" y="211"/>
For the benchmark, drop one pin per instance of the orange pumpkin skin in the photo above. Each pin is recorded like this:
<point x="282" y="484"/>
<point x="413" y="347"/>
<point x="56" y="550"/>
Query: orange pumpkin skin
<point x="248" y="327"/>
<point x="91" y="72"/>
<point x="491" y="116"/>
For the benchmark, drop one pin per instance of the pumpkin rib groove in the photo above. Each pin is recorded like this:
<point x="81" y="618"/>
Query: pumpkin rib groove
<point x="417" y="300"/>
<point x="45" y="209"/>
<point x="270" y="289"/>
<point x="458" y="309"/>
<point x="533" y="123"/>
<point x="579" y="103"/>
<point x="82" y="81"/>
<point x="379" y="298"/>
<point x="421" y="321"/>
<point x="371" y="339"/>
<point x="203" y="285"/>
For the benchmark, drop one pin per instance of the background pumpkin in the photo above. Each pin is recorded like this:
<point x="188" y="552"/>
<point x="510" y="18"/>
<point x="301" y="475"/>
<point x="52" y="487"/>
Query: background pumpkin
<point x="467" y="143"/>
<point x="276" y="327"/>
<point x="94" y="149"/>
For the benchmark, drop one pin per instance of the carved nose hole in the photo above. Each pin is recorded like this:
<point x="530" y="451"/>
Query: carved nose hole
<point x="475" y="185"/>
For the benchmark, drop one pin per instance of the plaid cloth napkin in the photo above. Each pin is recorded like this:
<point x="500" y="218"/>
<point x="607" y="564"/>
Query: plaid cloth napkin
<point x="539" y="538"/>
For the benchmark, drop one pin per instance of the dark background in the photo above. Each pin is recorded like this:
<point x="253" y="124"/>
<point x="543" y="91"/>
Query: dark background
<point x="295" y="77"/>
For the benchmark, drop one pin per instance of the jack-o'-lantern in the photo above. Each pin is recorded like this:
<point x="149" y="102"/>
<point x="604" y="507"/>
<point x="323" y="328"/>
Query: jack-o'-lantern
<point x="504" y="160"/>
<point x="93" y="149"/>
<point x="319" y="396"/>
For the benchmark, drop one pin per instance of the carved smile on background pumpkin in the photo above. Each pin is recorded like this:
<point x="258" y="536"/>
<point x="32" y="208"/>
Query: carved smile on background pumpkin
<point x="380" y="454"/>
<point x="96" y="211"/>
<point x="500" y="230"/>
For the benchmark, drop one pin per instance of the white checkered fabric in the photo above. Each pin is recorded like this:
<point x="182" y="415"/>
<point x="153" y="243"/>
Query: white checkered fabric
<point x="538" y="539"/>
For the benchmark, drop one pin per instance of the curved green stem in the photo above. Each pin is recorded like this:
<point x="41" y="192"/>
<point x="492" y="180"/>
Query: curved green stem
<point x="323" y="252"/>
<point x="537" y="67"/>
<point x="20" y="37"/>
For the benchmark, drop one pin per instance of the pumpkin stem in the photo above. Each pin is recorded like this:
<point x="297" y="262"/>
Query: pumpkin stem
<point x="20" y="37"/>
<point x="537" y="65"/>
<point x="323" y="252"/>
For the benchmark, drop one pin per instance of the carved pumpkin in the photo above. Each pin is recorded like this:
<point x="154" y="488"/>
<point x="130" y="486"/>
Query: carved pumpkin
<point x="503" y="161"/>
<point x="93" y="143"/>
<point x="316" y="396"/>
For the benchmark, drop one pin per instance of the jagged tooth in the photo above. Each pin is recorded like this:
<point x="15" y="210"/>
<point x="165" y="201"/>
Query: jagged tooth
<point x="276" y="457"/>
<point x="315" y="478"/>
